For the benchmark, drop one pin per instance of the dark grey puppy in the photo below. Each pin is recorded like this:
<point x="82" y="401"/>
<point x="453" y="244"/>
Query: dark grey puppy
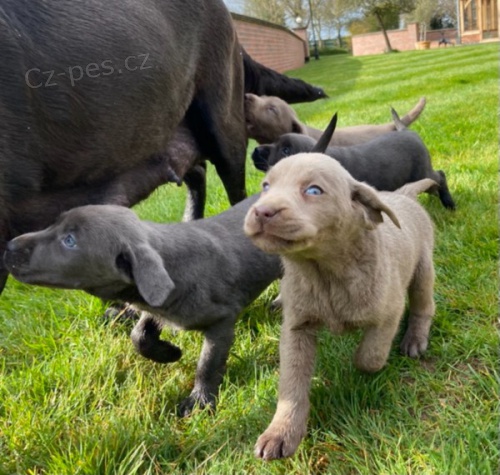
<point x="195" y="276"/>
<point x="387" y="162"/>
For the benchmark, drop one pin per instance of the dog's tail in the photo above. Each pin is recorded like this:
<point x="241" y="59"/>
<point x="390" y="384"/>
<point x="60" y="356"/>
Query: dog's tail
<point x="326" y="136"/>
<point x="413" y="115"/>
<point x="262" y="81"/>
<point x="412" y="190"/>
<point x="398" y="123"/>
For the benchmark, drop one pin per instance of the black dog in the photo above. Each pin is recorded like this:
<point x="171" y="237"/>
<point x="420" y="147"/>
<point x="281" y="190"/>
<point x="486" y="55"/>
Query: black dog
<point x="103" y="101"/>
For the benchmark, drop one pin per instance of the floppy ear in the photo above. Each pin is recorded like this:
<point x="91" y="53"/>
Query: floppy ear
<point x="372" y="206"/>
<point x="297" y="127"/>
<point x="149" y="274"/>
<point x="326" y="136"/>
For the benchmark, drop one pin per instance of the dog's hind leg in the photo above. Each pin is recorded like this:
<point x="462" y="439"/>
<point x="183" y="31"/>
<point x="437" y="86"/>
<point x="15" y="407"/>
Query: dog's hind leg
<point x="373" y="351"/>
<point x="211" y="367"/>
<point x="146" y="339"/>
<point x="422" y="308"/>
<point x="443" y="191"/>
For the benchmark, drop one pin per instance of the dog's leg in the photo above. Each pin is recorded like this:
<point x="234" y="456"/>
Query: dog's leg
<point x="3" y="279"/>
<point x="373" y="351"/>
<point x="289" y="424"/>
<point x="211" y="367"/>
<point x="444" y="192"/>
<point x="195" y="180"/>
<point x="422" y="308"/>
<point x="146" y="339"/>
<point x="216" y="119"/>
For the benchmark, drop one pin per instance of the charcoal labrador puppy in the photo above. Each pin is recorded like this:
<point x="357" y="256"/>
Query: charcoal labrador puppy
<point x="387" y="162"/>
<point x="197" y="275"/>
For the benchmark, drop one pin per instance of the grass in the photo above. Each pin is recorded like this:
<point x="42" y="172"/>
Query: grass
<point x="76" y="399"/>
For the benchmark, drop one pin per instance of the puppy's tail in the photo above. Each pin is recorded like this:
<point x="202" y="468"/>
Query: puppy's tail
<point x="412" y="190"/>
<point x="413" y="115"/>
<point x="398" y="123"/>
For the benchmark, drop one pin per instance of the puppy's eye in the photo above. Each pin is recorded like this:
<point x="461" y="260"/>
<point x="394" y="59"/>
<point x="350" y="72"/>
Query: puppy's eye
<point x="285" y="151"/>
<point x="69" y="241"/>
<point x="265" y="186"/>
<point x="273" y="109"/>
<point x="313" y="190"/>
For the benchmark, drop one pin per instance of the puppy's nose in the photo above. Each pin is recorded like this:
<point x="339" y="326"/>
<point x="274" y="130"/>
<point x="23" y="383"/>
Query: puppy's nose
<point x="14" y="245"/>
<point x="265" y="213"/>
<point x="248" y="97"/>
<point x="260" y="157"/>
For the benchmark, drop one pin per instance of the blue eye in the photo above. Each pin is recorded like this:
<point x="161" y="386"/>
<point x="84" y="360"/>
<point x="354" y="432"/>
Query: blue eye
<point x="285" y="152"/>
<point x="313" y="190"/>
<point x="69" y="241"/>
<point x="265" y="186"/>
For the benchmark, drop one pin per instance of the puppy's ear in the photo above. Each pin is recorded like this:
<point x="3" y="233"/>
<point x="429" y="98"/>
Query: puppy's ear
<point x="371" y="206"/>
<point x="149" y="274"/>
<point x="297" y="127"/>
<point x="326" y="136"/>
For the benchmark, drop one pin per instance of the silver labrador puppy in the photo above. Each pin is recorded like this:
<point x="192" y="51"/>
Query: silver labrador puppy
<point x="345" y="267"/>
<point x="196" y="276"/>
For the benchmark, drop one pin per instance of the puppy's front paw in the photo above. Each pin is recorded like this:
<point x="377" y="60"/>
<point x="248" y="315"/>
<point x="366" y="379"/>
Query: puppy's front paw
<point x="414" y="345"/>
<point x="196" y="400"/>
<point x="277" y="443"/>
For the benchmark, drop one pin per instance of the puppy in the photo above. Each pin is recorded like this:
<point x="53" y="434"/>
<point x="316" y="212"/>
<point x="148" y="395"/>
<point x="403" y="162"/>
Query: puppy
<point x="269" y="117"/>
<point x="346" y="266"/>
<point x="387" y="162"/>
<point x="195" y="276"/>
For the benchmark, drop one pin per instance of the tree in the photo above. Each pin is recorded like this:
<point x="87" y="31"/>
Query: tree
<point x="423" y="13"/>
<point x="336" y="14"/>
<point x="380" y="8"/>
<point x="273" y="11"/>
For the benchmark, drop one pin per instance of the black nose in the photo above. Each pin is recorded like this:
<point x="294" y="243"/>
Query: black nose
<point x="260" y="157"/>
<point x="16" y="255"/>
<point x="11" y="246"/>
<point x="14" y="245"/>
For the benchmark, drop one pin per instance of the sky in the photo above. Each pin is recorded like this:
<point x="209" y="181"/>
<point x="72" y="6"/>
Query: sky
<point x="236" y="6"/>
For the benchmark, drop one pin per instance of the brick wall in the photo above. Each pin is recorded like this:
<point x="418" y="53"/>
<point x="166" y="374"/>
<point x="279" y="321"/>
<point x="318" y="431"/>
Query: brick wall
<point x="272" y="45"/>
<point x="402" y="40"/>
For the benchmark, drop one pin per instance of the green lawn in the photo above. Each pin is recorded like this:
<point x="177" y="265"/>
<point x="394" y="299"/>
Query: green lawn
<point x="76" y="399"/>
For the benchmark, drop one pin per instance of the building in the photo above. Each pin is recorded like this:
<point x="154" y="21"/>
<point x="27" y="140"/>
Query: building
<point x="478" y="20"/>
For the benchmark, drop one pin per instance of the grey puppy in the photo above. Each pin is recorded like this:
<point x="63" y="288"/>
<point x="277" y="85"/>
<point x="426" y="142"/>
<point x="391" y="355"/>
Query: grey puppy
<point x="345" y="267"/>
<point x="268" y="118"/>
<point x="387" y="162"/>
<point x="195" y="276"/>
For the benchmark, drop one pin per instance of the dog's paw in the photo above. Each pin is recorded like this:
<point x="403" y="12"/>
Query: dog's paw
<point x="414" y="345"/>
<point x="164" y="352"/>
<point x="277" y="303"/>
<point x="276" y="444"/>
<point x="121" y="313"/>
<point x="196" y="400"/>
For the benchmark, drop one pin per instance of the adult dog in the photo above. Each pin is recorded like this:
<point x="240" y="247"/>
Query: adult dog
<point x="196" y="276"/>
<point x="387" y="162"/>
<point x="345" y="267"/>
<point x="102" y="102"/>
<point x="268" y="118"/>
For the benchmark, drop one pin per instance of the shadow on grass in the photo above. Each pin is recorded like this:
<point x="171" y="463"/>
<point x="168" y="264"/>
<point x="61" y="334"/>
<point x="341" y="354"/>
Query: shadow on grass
<point x="339" y="70"/>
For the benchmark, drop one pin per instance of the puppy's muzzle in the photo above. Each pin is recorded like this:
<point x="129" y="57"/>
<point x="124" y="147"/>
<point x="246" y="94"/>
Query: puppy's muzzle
<point x="260" y="157"/>
<point x="264" y="214"/>
<point x="16" y="256"/>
